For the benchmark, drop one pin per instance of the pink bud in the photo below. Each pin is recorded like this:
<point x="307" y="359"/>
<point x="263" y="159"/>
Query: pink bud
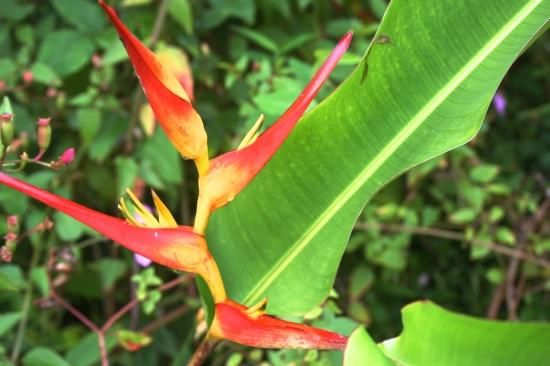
<point x="97" y="61"/>
<point x="13" y="220"/>
<point x="51" y="92"/>
<point x="44" y="135"/>
<point x="10" y="236"/>
<point x="13" y="223"/>
<point x="5" y="254"/>
<point x="44" y="121"/>
<point x="6" y="117"/>
<point x="28" y="76"/>
<point x="2" y="85"/>
<point x="68" y="156"/>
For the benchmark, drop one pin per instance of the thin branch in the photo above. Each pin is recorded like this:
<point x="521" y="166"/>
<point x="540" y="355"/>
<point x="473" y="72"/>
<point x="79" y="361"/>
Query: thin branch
<point x="202" y="351"/>
<point x="26" y="307"/>
<point x="74" y="311"/>
<point x="167" y="318"/>
<point x="456" y="236"/>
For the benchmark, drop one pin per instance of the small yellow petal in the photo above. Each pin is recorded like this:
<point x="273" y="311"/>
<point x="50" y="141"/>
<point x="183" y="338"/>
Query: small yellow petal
<point x="251" y="135"/>
<point x="128" y="214"/>
<point x="257" y="310"/>
<point x="147" y="120"/>
<point x="143" y="212"/>
<point x="165" y="217"/>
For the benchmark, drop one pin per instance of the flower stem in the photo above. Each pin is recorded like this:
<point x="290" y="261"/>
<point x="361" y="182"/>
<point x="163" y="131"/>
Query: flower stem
<point x="202" y="351"/>
<point x="26" y="305"/>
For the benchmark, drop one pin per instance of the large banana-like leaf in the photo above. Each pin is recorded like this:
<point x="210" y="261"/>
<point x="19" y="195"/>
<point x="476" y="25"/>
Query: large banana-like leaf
<point x="430" y="79"/>
<point x="433" y="336"/>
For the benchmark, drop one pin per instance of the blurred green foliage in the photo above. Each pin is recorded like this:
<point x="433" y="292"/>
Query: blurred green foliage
<point x="438" y="232"/>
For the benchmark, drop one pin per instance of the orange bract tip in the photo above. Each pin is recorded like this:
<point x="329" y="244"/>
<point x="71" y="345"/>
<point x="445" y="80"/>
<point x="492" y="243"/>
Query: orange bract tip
<point x="165" y="93"/>
<point x="233" y="322"/>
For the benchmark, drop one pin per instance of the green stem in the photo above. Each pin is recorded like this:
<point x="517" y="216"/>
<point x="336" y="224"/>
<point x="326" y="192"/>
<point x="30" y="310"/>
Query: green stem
<point x="26" y="305"/>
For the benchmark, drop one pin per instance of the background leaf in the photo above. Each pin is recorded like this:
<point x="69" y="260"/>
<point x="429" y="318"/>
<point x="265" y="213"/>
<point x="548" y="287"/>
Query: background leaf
<point x="65" y="51"/>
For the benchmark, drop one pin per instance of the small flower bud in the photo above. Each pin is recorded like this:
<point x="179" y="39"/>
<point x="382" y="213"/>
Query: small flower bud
<point x="97" y="61"/>
<point x="5" y="254"/>
<point x="2" y="85"/>
<point x="28" y="76"/>
<point x="10" y="237"/>
<point x="6" y="128"/>
<point x="52" y="92"/>
<point x="68" y="156"/>
<point x="44" y="133"/>
<point x="13" y="223"/>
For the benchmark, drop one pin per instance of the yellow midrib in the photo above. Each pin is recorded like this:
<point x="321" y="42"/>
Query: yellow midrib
<point x="257" y="292"/>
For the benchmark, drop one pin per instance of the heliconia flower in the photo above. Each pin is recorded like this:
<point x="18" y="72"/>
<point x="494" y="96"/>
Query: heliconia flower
<point x="229" y="173"/>
<point x="176" y="247"/>
<point x="168" y="99"/>
<point x="253" y="328"/>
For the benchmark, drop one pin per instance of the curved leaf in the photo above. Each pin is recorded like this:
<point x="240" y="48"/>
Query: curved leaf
<point x="429" y="81"/>
<point x="362" y="350"/>
<point x="435" y="336"/>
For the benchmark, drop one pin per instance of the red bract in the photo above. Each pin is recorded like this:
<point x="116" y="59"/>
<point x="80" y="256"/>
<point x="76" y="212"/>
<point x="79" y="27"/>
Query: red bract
<point x="167" y="98"/>
<point x="234" y="322"/>
<point x="231" y="172"/>
<point x="177" y="248"/>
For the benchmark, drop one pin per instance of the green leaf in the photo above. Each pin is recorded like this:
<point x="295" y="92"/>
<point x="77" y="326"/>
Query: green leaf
<point x="378" y="7"/>
<point x="484" y="173"/>
<point x="163" y="158"/>
<point x="126" y="172"/>
<point x="39" y="277"/>
<point x="505" y="235"/>
<point x="11" y="278"/>
<point x="110" y="270"/>
<point x="8" y="320"/>
<point x="182" y="13"/>
<point x="88" y="124"/>
<point x="42" y="356"/>
<point x="362" y="350"/>
<point x="86" y="352"/>
<point x="15" y="11"/>
<point x="258" y="38"/>
<point x="65" y="51"/>
<point x="6" y="106"/>
<point x="434" y="336"/>
<point x="424" y="93"/>
<point x="463" y="216"/>
<point x="45" y="74"/>
<point x="83" y="14"/>
<point x="7" y="68"/>
<point x="66" y="227"/>
<point x="222" y="10"/>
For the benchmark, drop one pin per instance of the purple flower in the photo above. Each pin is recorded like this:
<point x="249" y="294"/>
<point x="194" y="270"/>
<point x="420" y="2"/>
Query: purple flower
<point x="499" y="102"/>
<point x="141" y="260"/>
